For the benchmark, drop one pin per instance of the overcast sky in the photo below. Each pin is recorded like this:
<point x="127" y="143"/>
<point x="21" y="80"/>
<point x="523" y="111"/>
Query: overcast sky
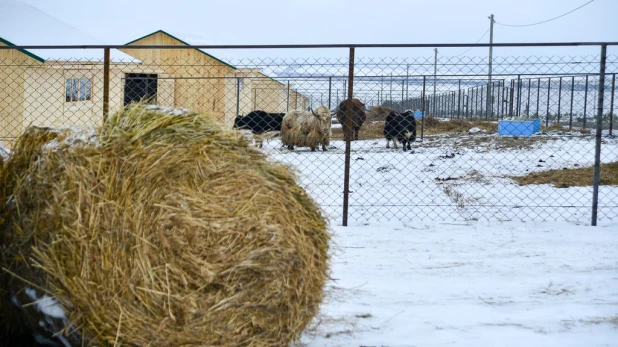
<point x="343" y="21"/>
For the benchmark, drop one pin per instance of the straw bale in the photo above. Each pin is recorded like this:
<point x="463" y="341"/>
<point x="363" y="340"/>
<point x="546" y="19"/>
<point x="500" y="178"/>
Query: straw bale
<point x="156" y="229"/>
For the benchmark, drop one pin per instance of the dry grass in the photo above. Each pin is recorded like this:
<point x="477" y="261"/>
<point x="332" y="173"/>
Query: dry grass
<point x="165" y="231"/>
<point x="560" y="127"/>
<point x="372" y="130"/>
<point x="434" y="126"/>
<point x="572" y="177"/>
<point x="378" y="113"/>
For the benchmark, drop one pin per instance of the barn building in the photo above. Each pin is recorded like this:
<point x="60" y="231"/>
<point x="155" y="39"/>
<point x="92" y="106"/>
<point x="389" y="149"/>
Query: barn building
<point x="64" y="88"/>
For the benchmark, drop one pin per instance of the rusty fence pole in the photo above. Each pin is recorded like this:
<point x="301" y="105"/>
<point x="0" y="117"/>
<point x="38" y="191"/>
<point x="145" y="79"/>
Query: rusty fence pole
<point x="105" y="84"/>
<point x="348" y="123"/>
<point x="597" y="147"/>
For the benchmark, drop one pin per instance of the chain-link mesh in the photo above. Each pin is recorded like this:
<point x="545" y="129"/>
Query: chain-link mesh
<point x="517" y="146"/>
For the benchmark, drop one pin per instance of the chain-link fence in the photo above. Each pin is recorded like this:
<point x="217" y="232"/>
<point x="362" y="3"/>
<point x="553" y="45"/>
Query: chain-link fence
<point x="514" y="144"/>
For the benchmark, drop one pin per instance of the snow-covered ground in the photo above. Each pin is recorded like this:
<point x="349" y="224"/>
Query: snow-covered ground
<point x="471" y="284"/>
<point x="454" y="178"/>
<point x="444" y="249"/>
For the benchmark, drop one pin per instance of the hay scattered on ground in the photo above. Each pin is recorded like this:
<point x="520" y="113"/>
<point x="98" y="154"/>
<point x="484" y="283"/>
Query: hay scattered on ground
<point x="374" y="129"/>
<point x="161" y="230"/>
<point x="378" y="113"/>
<point x="571" y="177"/>
<point x="435" y="126"/>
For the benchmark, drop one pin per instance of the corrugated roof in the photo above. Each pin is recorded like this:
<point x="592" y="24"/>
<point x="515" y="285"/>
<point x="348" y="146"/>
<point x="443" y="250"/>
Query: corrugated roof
<point x="23" y="24"/>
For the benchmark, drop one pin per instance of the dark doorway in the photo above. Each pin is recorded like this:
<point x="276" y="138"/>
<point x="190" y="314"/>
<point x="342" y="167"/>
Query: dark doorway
<point x="140" y="86"/>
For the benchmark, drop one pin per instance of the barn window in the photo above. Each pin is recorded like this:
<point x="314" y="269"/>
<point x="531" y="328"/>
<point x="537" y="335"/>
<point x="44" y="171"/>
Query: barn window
<point x="78" y="89"/>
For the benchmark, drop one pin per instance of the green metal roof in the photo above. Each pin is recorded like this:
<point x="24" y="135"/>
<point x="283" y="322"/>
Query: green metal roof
<point x="30" y="54"/>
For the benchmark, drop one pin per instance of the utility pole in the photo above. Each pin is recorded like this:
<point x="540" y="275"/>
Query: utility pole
<point x="491" y="51"/>
<point x="435" y="73"/>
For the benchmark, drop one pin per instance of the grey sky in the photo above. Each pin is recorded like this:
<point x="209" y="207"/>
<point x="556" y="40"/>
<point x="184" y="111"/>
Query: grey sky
<point x="343" y="21"/>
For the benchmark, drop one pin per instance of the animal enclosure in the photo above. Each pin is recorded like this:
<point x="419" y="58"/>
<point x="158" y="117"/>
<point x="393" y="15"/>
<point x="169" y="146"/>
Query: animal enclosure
<point x="459" y="168"/>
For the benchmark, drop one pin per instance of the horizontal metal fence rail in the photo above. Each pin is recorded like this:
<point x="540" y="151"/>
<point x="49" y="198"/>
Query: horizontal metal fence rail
<point x="471" y="158"/>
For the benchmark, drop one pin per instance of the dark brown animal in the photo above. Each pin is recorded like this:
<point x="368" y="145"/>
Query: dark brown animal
<point x="359" y="115"/>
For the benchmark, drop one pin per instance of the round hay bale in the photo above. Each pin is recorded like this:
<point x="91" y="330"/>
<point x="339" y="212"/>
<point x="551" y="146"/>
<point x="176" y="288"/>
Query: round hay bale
<point x="156" y="229"/>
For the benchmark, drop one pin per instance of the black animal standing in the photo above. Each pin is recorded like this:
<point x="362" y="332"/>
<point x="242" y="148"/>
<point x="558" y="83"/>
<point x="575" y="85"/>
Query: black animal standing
<point x="400" y="127"/>
<point x="260" y="123"/>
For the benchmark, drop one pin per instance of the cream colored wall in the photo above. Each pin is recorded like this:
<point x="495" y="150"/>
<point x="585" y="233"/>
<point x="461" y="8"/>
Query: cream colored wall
<point x="45" y="99"/>
<point x="200" y="84"/>
<point x="13" y="67"/>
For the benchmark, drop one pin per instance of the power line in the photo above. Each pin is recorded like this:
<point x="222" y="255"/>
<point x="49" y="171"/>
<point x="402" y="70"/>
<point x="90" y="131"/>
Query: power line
<point x="545" y="21"/>
<point x="477" y="41"/>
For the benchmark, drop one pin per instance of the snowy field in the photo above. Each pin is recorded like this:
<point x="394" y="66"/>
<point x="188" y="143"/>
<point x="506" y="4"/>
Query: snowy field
<point x="445" y="250"/>
<point x="454" y="178"/>
<point x="471" y="284"/>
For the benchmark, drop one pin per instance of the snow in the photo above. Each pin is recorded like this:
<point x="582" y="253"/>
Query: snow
<point x="169" y="110"/>
<point x="474" y="260"/>
<point x="23" y="25"/>
<point x="71" y="137"/>
<point x="46" y="305"/>
<point x="4" y="152"/>
<point x="470" y="284"/>
<point x="454" y="178"/>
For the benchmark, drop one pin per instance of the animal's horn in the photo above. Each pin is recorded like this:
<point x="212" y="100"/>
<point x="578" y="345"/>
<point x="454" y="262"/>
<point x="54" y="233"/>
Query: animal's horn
<point x="313" y="112"/>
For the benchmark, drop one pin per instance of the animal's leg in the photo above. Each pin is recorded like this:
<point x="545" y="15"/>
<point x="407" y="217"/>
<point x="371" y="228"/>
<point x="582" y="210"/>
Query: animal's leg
<point x="324" y="148"/>
<point x="395" y="144"/>
<point x="312" y="149"/>
<point x="387" y="143"/>
<point x="290" y="147"/>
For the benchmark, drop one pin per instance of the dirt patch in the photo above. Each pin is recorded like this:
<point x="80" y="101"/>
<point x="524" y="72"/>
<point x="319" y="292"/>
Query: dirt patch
<point x="571" y="177"/>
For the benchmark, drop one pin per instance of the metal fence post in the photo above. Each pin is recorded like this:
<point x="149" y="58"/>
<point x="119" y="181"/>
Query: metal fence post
<point x="511" y="98"/>
<point x="476" y="101"/>
<point x="330" y="88"/>
<point x="466" y="104"/>
<point x="459" y="99"/>
<point x="348" y="121"/>
<point x="518" y="95"/>
<point x="403" y="90"/>
<point x="548" y="94"/>
<point x="586" y="102"/>
<point x="237" y="97"/>
<point x="287" y="107"/>
<point x="571" y="107"/>
<point x="105" y="84"/>
<point x="538" y="96"/>
<point x="559" y="98"/>
<point x="597" y="147"/>
<point x="423" y="111"/>
<point x="611" y="105"/>
<point x="482" y="102"/>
